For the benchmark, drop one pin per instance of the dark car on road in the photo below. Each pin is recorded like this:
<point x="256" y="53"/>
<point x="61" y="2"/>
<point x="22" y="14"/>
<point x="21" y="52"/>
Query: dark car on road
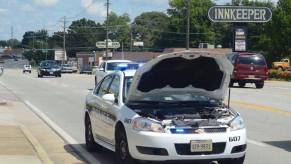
<point x="248" y="68"/>
<point x="49" y="68"/>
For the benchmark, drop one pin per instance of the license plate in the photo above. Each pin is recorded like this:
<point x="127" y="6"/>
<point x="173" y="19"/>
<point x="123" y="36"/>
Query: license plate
<point x="201" y="146"/>
<point x="252" y="76"/>
<point x="51" y="73"/>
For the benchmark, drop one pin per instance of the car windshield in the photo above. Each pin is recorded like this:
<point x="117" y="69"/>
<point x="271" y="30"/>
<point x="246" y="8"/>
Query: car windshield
<point x="252" y="59"/>
<point x="121" y="66"/>
<point x="49" y="64"/>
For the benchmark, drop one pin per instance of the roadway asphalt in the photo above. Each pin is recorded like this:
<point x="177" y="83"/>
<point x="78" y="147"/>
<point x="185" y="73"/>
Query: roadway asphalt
<point x="267" y="111"/>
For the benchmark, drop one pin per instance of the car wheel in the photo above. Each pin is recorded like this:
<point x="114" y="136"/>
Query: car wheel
<point x="241" y="84"/>
<point x="233" y="161"/>
<point x="39" y="76"/>
<point x="121" y="149"/>
<point x="231" y="84"/>
<point x="260" y="84"/>
<point x="91" y="145"/>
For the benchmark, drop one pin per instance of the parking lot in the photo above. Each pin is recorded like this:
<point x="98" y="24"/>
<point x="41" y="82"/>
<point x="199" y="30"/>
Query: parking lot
<point x="266" y="111"/>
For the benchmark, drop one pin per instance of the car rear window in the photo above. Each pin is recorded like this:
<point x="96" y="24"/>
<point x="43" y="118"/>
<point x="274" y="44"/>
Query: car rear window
<point x="252" y="59"/>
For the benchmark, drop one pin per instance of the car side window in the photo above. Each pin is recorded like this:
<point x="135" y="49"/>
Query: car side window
<point x="114" y="87"/>
<point x="104" y="86"/>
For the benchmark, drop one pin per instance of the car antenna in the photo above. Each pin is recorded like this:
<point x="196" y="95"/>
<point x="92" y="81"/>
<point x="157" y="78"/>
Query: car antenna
<point x="228" y="102"/>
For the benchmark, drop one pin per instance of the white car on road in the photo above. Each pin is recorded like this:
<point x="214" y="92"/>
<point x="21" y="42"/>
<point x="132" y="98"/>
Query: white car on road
<point x="26" y="68"/>
<point x="171" y="109"/>
<point x="108" y="66"/>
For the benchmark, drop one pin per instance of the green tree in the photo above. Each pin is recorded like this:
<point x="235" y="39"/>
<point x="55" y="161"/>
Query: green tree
<point x="3" y="43"/>
<point x="280" y="29"/>
<point x="151" y="28"/>
<point x="82" y="35"/>
<point x="119" y="29"/>
<point x="200" y="26"/>
<point x="35" y="40"/>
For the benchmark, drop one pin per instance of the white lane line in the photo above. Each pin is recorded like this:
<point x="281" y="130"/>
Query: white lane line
<point x="73" y="143"/>
<point x="256" y="143"/>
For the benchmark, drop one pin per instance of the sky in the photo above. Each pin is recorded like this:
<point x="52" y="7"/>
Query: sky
<point x="32" y="15"/>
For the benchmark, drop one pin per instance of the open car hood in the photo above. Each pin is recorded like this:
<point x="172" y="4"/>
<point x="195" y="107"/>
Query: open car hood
<point x="198" y="73"/>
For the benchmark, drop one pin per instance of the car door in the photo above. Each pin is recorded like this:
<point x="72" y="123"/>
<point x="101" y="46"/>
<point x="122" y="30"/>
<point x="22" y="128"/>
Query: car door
<point x="112" y="109"/>
<point x="98" y="112"/>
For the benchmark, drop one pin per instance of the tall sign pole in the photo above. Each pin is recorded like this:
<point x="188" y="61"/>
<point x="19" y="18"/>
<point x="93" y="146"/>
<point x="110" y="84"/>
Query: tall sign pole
<point x="188" y="25"/>
<point x="107" y="16"/>
<point x="64" y="40"/>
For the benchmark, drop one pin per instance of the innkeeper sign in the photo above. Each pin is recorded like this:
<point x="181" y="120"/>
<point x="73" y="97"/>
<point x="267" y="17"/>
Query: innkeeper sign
<point x="239" y="14"/>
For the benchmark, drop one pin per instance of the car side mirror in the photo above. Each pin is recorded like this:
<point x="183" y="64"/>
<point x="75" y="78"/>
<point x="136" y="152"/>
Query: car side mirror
<point x="101" y="69"/>
<point x="109" y="97"/>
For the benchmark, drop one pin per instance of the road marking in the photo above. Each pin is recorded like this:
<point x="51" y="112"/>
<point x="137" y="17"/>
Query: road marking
<point x="256" y="143"/>
<point x="261" y="107"/>
<point x="73" y="143"/>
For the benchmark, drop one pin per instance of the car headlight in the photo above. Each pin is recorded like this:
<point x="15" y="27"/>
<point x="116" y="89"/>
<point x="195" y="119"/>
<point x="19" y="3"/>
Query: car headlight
<point x="43" y="69"/>
<point x="144" y="124"/>
<point x="237" y="124"/>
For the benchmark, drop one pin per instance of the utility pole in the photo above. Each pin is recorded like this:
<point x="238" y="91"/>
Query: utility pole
<point x="12" y="33"/>
<point x="107" y="16"/>
<point x="188" y="25"/>
<point x="122" y="51"/>
<point x="131" y="39"/>
<point x="33" y="40"/>
<point x="64" y="41"/>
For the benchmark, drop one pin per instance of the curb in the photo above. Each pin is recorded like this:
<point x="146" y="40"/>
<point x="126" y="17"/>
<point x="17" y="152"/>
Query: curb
<point x="84" y="154"/>
<point x="41" y="153"/>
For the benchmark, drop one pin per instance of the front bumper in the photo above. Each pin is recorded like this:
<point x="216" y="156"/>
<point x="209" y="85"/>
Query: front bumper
<point x="249" y="78"/>
<point x="169" y="143"/>
<point x="50" y="73"/>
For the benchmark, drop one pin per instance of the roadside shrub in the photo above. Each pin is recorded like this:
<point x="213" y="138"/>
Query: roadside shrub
<point x="280" y="75"/>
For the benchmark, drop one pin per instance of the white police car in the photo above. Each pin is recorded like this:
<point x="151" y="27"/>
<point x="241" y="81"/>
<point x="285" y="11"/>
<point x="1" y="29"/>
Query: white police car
<point x="171" y="109"/>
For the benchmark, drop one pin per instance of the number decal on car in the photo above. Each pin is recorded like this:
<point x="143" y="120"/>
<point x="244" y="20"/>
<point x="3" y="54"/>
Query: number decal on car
<point x="234" y="139"/>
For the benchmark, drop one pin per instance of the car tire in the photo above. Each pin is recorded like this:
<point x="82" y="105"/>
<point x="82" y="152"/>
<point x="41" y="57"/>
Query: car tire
<point x="39" y="76"/>
<point x="241" y="84"/>
<point x="233" y="161"/>
<point x="231" y="84"/>
<point x="91" y="145"/>
<point x="121" y="149"/>
<point x="260" y="85"/>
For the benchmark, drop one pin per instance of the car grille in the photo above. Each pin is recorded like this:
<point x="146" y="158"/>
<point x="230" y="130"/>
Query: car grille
<point x="184" y="149"/>
<point x="196" y="131"/>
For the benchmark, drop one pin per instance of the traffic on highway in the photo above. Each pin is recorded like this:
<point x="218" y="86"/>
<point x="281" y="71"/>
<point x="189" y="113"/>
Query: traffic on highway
<point x="132" y="82"/>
